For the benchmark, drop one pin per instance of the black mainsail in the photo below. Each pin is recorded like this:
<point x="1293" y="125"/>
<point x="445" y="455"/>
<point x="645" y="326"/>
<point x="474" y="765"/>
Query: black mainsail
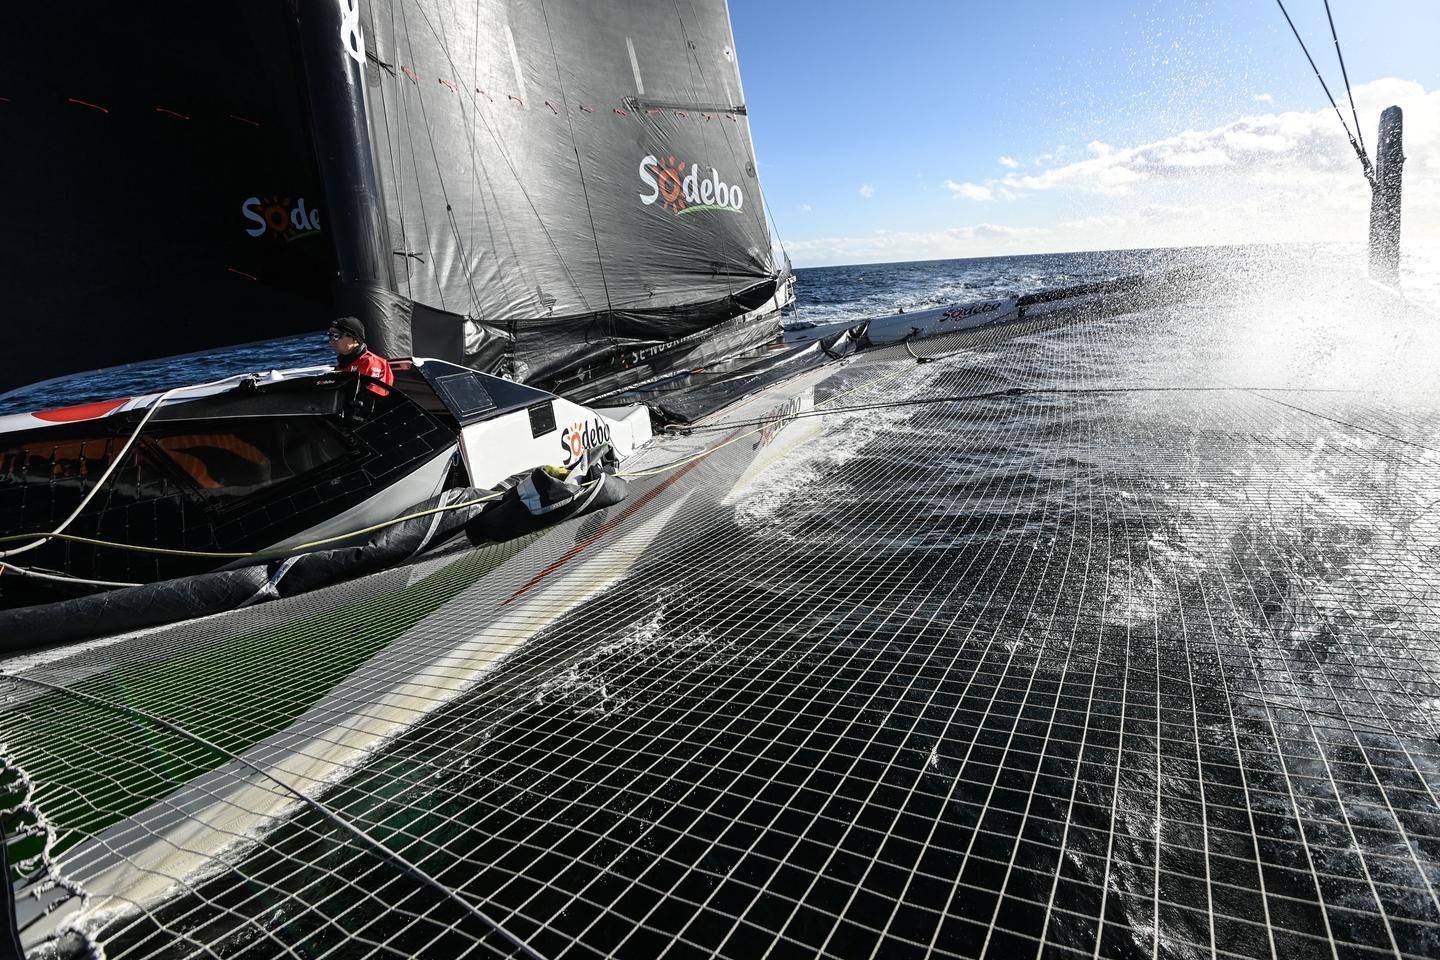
<point x="564" y="192"/>
<point x="162" y="194"/>
<point x="575" y="179"/>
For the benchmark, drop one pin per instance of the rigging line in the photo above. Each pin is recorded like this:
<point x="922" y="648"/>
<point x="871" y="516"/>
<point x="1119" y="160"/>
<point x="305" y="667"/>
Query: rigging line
<point x="392" y="151"/>
<point x="749" y="163"/>
<point x="745" y="128"/>
<point x="318" y="807"/>
<point x="476" y="168"/>
<point x="514" y="173"/>
<point x="1364" y="160"/>
<point x="445" y="193"/>
<point x="10" y="570"/>
<point x="1348" y="424"/>
<point x="580" y="169"/>
<point x="1345" y="77"/>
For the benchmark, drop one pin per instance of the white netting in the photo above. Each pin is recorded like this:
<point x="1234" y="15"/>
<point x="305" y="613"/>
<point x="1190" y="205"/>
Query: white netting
<point x="1139" y="658"/>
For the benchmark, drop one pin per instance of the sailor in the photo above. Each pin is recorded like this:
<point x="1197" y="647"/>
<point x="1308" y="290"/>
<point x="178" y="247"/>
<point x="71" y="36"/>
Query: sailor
<point x="347" y="336"/>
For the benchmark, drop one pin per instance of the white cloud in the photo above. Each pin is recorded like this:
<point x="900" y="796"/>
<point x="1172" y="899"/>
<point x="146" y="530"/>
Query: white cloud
<point x="882" y="245"/>
<point x="806" y="208"/>
<point x="1208" y="157"/>
<point x="1267" y="177"/>
<point x="1093" y="223"/>
<point x="1295" y="144"/>
<point x="867" y="191"/>
<point x="1263" y="98"/>
<point x="1009" y="163"/>
<point x="970" y="191"/>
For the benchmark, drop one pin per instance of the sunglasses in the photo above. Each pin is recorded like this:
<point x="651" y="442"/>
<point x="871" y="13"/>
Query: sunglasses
<point x="336" y="334"/>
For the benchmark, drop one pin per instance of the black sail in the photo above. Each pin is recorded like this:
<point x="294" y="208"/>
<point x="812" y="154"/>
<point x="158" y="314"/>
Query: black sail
<point x="575" y="178"/>
<point x="162" y="196"/>
<point x="561" y="191"/>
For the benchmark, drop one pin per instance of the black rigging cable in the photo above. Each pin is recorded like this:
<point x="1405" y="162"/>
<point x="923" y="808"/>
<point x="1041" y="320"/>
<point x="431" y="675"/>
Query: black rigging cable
<point x="1345" y="77"/>
<point x="1359" y="151"/>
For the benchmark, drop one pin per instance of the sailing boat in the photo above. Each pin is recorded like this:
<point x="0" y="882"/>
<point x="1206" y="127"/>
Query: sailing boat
<point x="546" y="204"/>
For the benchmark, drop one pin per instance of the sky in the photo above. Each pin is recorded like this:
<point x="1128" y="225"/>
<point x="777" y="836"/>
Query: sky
<point x="926" y="129"/>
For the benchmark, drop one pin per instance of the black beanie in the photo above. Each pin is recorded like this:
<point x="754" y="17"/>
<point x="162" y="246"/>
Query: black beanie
<point x="350" y="325"/>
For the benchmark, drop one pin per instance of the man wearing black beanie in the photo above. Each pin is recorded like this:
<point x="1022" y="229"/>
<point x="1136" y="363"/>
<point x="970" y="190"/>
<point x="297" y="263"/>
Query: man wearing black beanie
<point x="347" y="336"/>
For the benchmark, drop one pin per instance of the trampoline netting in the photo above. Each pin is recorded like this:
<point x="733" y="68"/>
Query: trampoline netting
<point x="1135" y="655"/>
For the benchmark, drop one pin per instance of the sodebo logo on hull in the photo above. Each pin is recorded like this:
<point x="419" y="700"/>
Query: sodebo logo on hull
<point x="580" y="436"/>
<point x="682" y="193"/>
<point x="279" y="216"/>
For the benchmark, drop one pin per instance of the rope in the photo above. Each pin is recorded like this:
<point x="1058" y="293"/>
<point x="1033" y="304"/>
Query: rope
<point x="9" y="569"/>
<point x="1359" y="152"/>
<point x="319" y="808"/>
<point x="1345" y="77"/>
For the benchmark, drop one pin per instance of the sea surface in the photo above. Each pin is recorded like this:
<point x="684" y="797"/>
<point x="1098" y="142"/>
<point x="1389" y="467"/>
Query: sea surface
<point x="1134" y="654"/>
<point x="823" y="295"/>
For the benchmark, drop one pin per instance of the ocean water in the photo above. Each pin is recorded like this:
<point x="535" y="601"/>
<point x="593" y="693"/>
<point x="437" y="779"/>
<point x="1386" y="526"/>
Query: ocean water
<point x="823" y="295"/>
<point x="1140" y="659"/>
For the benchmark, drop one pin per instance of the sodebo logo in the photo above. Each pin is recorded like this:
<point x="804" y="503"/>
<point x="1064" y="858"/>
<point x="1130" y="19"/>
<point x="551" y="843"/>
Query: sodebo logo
<point x="682" y="193"/>
<point x="279" y="217"/>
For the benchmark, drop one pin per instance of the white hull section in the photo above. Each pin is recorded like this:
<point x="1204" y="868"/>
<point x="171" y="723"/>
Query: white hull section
<point x="501" y="447"/>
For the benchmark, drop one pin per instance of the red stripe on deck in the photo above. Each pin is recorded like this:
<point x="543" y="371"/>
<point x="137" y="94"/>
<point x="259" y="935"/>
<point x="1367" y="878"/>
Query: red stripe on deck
<point x="83" y="411"/>
<point x="607" y="526"/>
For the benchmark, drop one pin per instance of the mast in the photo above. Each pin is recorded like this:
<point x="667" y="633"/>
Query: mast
<point x="333" y="51"/>
<point x="1385" y="199"/>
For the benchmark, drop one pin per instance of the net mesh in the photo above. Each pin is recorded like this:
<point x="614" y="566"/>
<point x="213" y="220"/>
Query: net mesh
<point x="1135" y="659"/>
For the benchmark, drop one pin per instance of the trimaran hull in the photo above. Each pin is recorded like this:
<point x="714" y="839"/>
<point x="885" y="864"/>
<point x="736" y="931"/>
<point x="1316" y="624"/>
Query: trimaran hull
<point x="490" y="610"/>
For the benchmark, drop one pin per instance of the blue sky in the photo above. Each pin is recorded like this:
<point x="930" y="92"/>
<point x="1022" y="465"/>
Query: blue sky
<point x="881" y="126"/>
